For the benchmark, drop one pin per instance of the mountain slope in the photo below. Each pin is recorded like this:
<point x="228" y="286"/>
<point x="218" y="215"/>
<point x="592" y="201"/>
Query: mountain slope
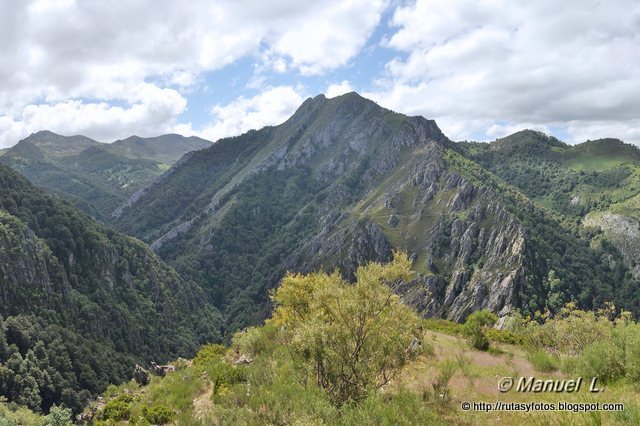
<point x="344" y="181"/>
<point x="81" y="303"/>
<point x="597" y="182"/>
<point x="98" y="178"/>
<point x="164" y="149"/>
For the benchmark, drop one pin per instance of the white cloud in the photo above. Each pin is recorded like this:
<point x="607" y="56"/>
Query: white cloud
<point x="154" y="114"/>
<point x="106" y="52"/>
<point x="538" y="64"/>
<point x="334" y="32"/>
<point x="271" y="107"/>
<point x="338" y="89"/>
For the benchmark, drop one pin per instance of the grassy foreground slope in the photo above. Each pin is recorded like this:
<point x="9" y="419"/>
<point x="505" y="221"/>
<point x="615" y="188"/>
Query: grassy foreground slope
<point x="337" y="353"/>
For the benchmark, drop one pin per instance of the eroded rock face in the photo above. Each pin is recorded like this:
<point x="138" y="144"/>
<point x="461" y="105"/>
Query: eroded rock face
<point x="469" y="251"/>
<point x="624" y="233"/>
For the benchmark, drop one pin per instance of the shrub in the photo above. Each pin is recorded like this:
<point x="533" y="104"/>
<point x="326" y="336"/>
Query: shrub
<point x="570" y="333"/>
<point x="475" y="326"/>
<point x="626" y="336"/>
<point x="117" y="409"/>
<point x="504" y="336"/>
<point x="542" y="361"/>
<point x="224" y="375"/>
<point x="256" y="340"/>
<point x="208" y="354"/>
<point x="601" y="359"/>
<point x="58" y="416"/>
<point x="441" y="390"/>
<point x="157" y="414"/>
<point x="444" y="326"/>
<point x="348" y="338"/>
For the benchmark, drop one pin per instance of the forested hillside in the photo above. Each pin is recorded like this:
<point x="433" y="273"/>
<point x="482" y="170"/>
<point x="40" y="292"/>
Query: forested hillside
<point x="80" y="304"/>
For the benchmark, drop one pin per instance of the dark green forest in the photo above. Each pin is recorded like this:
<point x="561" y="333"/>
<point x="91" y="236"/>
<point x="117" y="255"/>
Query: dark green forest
<point x="81" y="303"/>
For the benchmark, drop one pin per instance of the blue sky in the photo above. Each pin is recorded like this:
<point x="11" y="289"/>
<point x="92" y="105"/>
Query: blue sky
<point x="481" y="69"/>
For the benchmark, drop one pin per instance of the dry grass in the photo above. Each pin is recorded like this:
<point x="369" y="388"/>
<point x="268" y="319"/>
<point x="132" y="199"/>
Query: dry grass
<point x="477" y="376"/>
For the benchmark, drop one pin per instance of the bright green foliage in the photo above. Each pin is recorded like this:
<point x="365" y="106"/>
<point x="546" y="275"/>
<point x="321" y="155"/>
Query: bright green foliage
<point x="208" y="354"/>
<point x="348" y="338"/>
<point x="602" y="360"/>
<point x="223" y="375"/>
<point x="118" y="408"/>
<point x="543" y="361"/>
<point x="570" y="332"/>
<point x="158" y="414"/>
<point x="441" y="390"/>
<point x="475" y="328"/>
<point x="58" y="416"/>
<point x="587" y="343"/>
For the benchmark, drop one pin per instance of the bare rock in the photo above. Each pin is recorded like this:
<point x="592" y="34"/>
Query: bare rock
<point x="140" y="375"/>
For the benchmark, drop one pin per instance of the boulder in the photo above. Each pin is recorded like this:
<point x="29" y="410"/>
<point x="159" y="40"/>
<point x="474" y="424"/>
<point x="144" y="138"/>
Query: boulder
<point x="140" y="375"/>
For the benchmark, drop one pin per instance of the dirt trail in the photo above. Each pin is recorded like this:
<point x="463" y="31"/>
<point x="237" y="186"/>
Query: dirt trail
<point x="202" y="405"/>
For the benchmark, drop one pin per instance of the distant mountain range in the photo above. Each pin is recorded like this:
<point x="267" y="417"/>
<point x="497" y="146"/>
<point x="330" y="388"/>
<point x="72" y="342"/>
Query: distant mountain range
<point x="526" y="223"/>
<point x="94" y="176"/>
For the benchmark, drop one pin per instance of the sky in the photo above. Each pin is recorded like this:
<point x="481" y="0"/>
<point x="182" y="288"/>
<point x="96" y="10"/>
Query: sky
<point x="481" y="69"/>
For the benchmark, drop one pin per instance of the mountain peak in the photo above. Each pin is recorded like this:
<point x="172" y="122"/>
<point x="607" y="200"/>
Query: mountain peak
<point x="164" y="148"/>
<point x="609" y="147"/>
<point x="54" y="144"/>
<point x="527" y="140"/>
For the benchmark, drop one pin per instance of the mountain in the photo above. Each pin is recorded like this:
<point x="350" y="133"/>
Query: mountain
<point x="164" y="149"/>
<point x="596" y="182"/>
<point x="344" y="181"/>
<point x="80" y="304"/>
<point x="98" y="178"/>
<point x="52" y="144"/>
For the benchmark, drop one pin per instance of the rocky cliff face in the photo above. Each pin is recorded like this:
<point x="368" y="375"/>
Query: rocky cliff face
<point x="28" y="269"/>
<point x="623" y="232"/>
<point x="469" y="251"/>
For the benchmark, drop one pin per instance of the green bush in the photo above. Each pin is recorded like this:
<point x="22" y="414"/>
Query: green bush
<point x="441" y="390"/>
<point x="58" y="416"/>
<point x="602" y="360"/>
<point x="627" y="337"/>
<point x="117" y="409"/>
<point x="504" y="336"/>
<point x="256" y="340"/>
<point x="223" y="374"/>
<point x="208" y="354"/>
<point x="543" y="361"/>
<point x="348" y="339"/>
<point x="158" y="414"/>
<point x="475" y="327"/>
<point x="444" y="326"/>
